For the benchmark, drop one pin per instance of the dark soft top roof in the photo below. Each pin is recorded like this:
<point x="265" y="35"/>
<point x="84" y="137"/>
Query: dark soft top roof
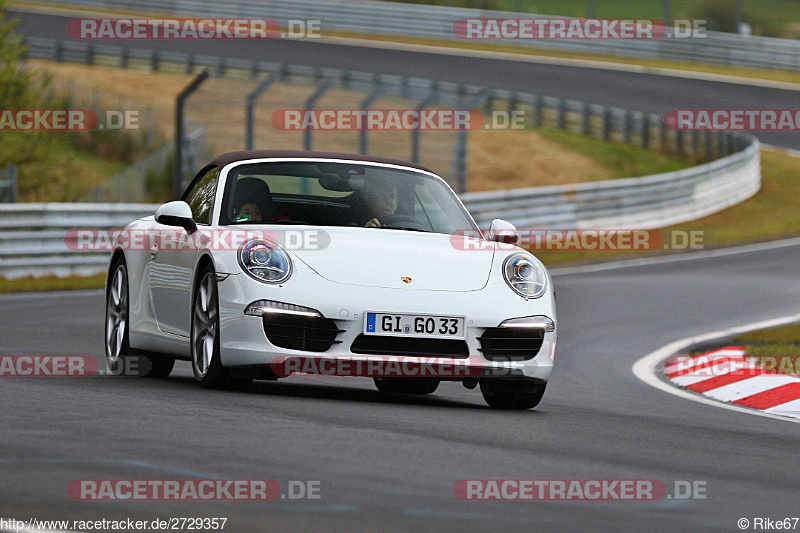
<point x="232" y="157"/>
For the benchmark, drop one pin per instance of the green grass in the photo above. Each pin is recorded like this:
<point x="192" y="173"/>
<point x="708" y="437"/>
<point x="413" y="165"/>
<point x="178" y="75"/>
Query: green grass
<point x="55" y="170"/>
<point x="770" y="214"/>
<point x="776" y="349"/>
<point x="623" y="160"/>
<point x="51" y="283"/>
<point x="785" y="334"/>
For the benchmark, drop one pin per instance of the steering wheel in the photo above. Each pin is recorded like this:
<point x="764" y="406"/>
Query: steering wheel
<point x="401" y="221"/>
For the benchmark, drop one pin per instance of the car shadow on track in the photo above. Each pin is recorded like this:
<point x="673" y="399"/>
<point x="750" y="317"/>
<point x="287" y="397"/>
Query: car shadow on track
<point x="327" y="392"/>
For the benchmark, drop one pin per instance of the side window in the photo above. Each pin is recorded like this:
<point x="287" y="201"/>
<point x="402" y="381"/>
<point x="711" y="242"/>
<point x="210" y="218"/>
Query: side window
<point x="201" y="196"/>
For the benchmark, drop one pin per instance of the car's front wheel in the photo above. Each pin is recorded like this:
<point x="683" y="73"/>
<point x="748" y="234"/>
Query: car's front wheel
<point x="121" y="358"/>
<point x="512" y="394"/>
<point x="206" y="364"/>
<point x="407" y="385"/>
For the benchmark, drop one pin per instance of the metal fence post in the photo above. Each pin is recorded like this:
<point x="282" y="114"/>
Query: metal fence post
<point x="88" y="57"/>
<point x="646" y="130"/>
<point x="309" y="105"/>
<point x="607" y="123"/>
<point x="70" y="93"/>
<point x="428" y="100"/>
<point x="177" y="178"/>
<point x="460" y="152"/>
<point x="585" y="117"/>
<point x="12" y="183"/>
<point x="366" y="103"/>
<point x="251" y="102"/>
<point x="511" y="104"/>
<point x="148" y="132"/>
<point x="537" y="111"/>
<point x="562" y="113"/>
<point x="627" y="127"/>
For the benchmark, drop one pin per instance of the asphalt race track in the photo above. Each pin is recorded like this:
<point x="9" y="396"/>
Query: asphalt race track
<point x="389" y="462"/>
<point x="644" y="92"/>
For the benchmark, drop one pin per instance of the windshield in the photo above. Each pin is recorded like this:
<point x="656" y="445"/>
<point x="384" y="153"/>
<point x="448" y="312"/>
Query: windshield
<point x="341" y="194"/>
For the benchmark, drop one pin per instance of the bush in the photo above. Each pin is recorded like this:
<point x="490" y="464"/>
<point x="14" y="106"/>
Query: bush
<point x="721" y="16"/>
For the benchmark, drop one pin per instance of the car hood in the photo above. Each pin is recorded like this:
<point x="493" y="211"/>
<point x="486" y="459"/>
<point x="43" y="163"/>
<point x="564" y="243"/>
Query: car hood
<point x="384" y="258"/>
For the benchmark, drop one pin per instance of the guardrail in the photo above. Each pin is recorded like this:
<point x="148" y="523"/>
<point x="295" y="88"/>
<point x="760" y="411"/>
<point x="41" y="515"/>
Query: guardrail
<point x="633" y="203"/>
<point x="437" y="22"/>
<point x="32" y="235"/>
<point x="8" y="186"/>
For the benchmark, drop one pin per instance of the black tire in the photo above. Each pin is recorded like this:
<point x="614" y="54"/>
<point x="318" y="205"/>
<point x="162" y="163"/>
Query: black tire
<point x="120" y="357"/>
<point x="205" y="350"/>
<point x="512" y="395"/>
<point x="407" y="385"/>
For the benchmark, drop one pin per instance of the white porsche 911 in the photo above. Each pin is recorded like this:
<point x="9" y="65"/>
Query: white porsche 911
<point x="280" y="263"/>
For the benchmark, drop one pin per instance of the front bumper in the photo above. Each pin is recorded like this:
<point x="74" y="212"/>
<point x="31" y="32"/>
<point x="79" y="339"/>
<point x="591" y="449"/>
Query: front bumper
<point x="244" y="343"/>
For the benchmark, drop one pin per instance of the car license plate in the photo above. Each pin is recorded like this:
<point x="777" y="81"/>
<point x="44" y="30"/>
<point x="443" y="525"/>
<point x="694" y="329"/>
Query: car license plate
<point x="402" y="325"/>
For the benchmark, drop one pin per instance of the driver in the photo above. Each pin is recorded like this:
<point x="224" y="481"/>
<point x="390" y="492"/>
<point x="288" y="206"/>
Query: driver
<point x="380" y="199"/>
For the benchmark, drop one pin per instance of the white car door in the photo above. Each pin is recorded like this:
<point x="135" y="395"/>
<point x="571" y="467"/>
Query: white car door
<point x="173" y="264"/>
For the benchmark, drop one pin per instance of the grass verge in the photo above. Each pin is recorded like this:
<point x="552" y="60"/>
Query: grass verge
<point x="785" y="334"/>
<point x="776" y="349"/>
<point x="51" y="283"/>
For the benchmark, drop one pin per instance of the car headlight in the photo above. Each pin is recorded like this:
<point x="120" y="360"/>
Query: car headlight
<point x="525" y="274"/>
<point x="264" y="261"/>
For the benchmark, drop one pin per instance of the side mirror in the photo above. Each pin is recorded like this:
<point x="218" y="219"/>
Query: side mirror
<point x="502" y="231"/>
<point x="176" y="213"/>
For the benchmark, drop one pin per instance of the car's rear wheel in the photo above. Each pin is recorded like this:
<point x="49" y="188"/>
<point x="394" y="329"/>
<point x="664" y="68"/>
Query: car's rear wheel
<point x="407" y="385"/>
<point x="511" y="394"/>
<point x="206" y="364"/>
<point x="121" y="358"/>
